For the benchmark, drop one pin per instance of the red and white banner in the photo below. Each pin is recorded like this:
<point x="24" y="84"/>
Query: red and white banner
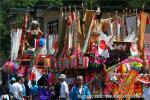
<point x="34" y="76"/>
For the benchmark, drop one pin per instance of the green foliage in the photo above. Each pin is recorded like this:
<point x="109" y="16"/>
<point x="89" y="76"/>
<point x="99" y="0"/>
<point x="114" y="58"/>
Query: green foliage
<point x="5" y="15"/>
<point x="118" y="3"/>
<point x="139" y="3"/>
<point x="18" y="3"/>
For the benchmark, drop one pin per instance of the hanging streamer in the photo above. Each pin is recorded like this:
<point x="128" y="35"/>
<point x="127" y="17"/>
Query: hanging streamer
<point x="88" y="36"/>
<point x="15" y="43"/>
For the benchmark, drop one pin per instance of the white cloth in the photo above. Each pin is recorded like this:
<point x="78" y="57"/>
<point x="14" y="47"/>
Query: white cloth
<point x="80" y="89"/>
<point x="130" y="37"/>
<point x="15" y="43"/>
<point x="146" y="94"/>
<point x="131" y="23"/>
<point x="16" y="88"/>
<point x="51" y="40"/>
<point x="10" y="88"/>
<point x="64" y="89"/>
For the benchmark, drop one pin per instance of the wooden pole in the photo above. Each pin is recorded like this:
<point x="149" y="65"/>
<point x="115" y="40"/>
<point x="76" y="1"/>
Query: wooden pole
<point x="141" y="37"/>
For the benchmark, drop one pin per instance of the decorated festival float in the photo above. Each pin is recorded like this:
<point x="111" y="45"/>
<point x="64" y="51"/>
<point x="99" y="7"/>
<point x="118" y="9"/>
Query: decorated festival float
<point x="109" y="52"/>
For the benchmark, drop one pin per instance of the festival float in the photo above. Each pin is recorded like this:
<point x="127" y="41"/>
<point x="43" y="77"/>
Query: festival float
<point x="108" y="52"/>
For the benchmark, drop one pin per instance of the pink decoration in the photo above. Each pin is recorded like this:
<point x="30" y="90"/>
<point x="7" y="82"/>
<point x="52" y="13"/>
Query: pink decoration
<point x="85" y="62"/>
<point x="137" y="59"/>
<point x="108" y="88"/>
<point x="132" y="59"/>
<point x="9" y="67"/>
<point x="122" y="81"/>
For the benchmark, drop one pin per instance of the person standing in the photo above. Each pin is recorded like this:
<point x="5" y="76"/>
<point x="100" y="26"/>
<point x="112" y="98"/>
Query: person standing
<point x="17" y="90"/>
<point x="80" y="91"/>
<point x="34" y="91"/>
<point x="13" y="80"/>
<point x="56" y="90"/>
<point x="64" y="90"/>
<point x="146" y="93"/>
<point x="23" y="88"/>
<point x="27" y="87"/>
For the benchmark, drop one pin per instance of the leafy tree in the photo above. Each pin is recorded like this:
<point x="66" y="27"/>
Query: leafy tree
<point x="5" y="15"/>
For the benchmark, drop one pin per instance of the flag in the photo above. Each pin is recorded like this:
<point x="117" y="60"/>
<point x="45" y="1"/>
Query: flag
<point x="35" y="75"/>
<point x="103" y="45"/>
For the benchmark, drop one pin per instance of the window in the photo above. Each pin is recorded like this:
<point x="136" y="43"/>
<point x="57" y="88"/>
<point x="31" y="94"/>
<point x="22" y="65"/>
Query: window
<point x="53" y="27"/>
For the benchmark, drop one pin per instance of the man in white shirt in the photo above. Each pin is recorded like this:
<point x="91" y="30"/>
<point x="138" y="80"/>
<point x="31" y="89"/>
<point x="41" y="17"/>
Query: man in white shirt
<point x="146" y="93"/>
<point x="17" y="90"/>
<point x="64" y="90"/>
<point x="13" y="80"/>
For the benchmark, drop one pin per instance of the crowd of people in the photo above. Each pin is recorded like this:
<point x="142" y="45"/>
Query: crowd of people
<point x="19" y="89"/>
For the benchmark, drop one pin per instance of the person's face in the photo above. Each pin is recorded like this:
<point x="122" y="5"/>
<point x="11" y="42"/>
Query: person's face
<point x="80" y="81"/>
<point x="22" y="80"/>
<point x="27" y="78"/>
<point x="57" y="81"/>
<point x="60" y="79"/>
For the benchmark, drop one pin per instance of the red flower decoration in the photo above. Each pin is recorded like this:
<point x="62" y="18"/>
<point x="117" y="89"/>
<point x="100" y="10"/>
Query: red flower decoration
<point x="103" y="45"/>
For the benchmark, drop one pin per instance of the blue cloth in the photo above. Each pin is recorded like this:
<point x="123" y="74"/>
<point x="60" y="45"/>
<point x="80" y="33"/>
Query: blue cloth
<point x="24" y="90"/>
<point x="41" y="42"/>
<point x="45" y="93"/>
<point x="34" y="90"/>
<point x="74" y="94"/>
<point x="146" y="94"/>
